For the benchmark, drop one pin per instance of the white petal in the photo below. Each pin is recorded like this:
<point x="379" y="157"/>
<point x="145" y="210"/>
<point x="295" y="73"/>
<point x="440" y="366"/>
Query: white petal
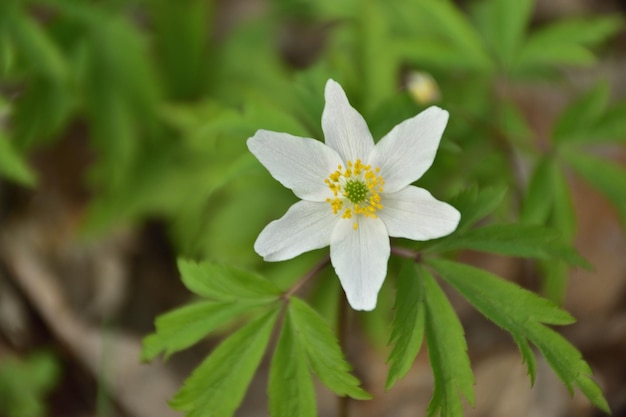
<point x="299" y="164"/>
<point x="344" y="128"/>
<point x="413" y="213"/>
<point x="408" y="150"/>
<point x="306" y="226"/>
<point x="360" y="259"/>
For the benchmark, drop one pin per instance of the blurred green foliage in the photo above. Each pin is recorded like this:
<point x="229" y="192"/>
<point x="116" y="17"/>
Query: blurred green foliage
<point x="24" y="383"/>
<point x="169" y="93"/>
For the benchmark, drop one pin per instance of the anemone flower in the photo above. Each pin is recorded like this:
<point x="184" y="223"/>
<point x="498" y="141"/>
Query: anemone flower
<point x="355" y="194"/>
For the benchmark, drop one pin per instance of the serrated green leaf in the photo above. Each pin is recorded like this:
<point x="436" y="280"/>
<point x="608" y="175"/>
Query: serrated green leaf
<point x="506" y="304"/>
<point x="323" y="350"/>
<point x="12" y="166"/>
<point x="567" y="363"/>
<point x="475" y="204"/>
<point x="503" y="24"/>
<point x="526" y="241"/>
<point x="290" y="389"/>
<point x="217" y="386"/>
<point x="447" y="350"/>
<point x="608" y="177"/>
<point x="580" y="116"/>
<point x="407" y="329"/>
<point x="181" y="328"/>
<point x="225" y="282"/>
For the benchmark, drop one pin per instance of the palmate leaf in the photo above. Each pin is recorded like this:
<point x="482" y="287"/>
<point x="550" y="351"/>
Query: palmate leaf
<point x="524" y="315"/>
<point x="527" y="241"/>
<point x="407" y="329"/>
<point x="323" y="351"/>
<point x="225" y="282"/>
<point x="447" y="350"/>
<point x="217" y="386"/>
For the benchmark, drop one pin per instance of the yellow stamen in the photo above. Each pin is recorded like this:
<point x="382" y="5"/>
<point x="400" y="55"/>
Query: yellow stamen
<point x="356" y="190"/>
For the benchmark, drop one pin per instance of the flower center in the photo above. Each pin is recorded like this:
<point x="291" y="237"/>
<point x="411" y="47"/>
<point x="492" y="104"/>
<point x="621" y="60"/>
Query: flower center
<point x="356" y="190"/>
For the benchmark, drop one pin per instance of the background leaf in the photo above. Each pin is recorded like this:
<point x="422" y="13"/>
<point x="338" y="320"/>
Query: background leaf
<point x="607" y="177"/>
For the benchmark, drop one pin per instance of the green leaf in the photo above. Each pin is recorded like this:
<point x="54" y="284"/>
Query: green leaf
<point x="322" y="349"/>
<point x="566" y="42"/>
<point x="538" y="202"/>
<point x="12" y="166"/>
<point x="548" y="199"/>
<point x="475" y="204"/>
<point x="447" y="351"/>
<point x="607" y="177"/>
<point x="503" y="24"/>
<point x="407" y="329"/>
<point x="453" y="26"/>
<point x="37" y="48"/>
<point x="567" y="363"/>
<point x="225" y="282"/>
<point x="611" y="125"/>
<point x="527" y="241"/>
<point x="578" y="117"/>
<point x="555" y="278"/>
<point x="181" y="328"/>
<point x="290" y="389"/>
<point x="217" y="386"/>
<point x="564" y="211"/>
<point x="511" y="307"/>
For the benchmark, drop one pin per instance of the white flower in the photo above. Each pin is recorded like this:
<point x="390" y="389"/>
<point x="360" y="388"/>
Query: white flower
<point x="355" y="194"/>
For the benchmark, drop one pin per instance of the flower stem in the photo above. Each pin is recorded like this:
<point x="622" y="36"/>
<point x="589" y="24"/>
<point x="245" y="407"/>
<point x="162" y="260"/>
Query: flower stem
<point x="306" y="277"/>
<point x="407" y="253"/>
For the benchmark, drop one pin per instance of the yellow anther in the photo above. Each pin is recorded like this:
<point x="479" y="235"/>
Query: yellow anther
<point x="356" y="190"/>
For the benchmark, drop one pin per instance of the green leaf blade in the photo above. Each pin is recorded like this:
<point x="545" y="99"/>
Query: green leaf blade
<point x="12" y="166"/>
<point x="183" y="327"/>
<point x="323" y="351"/>
<point x="568" y="364"/>
<point x="609" y="178"/>
<point x="526" y="241"/>
<point x="225" y="282"/>
<point x="217" y="386"/>
<point x="290" y="389"/>
<point x="408" y="325"/>
<point x="447" y="350"/>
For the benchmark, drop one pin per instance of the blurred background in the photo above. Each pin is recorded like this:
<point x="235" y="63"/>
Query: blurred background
<point x="122" y="146"/>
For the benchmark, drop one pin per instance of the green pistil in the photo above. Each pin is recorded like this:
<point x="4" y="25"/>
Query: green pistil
<point x="356" y="191"/>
